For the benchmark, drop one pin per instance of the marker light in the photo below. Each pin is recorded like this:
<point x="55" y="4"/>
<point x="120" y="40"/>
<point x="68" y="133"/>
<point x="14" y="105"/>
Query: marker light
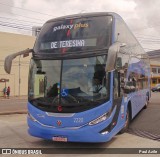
<point x="100" y="119"/>
<point x="31" y="117"/>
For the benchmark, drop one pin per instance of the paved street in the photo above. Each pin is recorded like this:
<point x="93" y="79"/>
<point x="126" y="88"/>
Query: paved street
<point x="147" y="122"/>
<point x="13" y="131"/>
<point x="14" y="134"/>
<point x="14" y="104"/>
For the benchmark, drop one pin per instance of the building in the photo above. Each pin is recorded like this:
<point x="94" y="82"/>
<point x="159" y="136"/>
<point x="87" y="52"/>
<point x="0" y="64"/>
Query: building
<point x="155" y="73"/>
<point x="155" y="67"/>
<point x="18" y="79"/>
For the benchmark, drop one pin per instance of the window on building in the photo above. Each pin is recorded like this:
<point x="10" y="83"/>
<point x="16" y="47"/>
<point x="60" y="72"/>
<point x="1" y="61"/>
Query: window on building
<point x="154" y="81"/>
<point x="159" y="70"/>
<point x="154" y="70"/>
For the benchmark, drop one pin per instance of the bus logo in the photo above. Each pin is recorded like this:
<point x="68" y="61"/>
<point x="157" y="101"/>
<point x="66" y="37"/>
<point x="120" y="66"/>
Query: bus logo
<point x="59" y="108"/>
<point x="59" y="123"/>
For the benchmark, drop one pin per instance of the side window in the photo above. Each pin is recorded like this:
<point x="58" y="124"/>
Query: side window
<point x="121" y="70"/>
<point x="134" y="74"/>
<point x="138" y="72"/>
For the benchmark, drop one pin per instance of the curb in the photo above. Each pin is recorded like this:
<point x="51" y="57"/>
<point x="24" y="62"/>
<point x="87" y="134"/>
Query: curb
<point x="13" y="112"/>
<point x="6" y="99"/>
<point x="13" y="97"/>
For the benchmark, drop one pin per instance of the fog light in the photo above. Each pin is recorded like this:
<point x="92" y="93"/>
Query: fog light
<point x="105" y="132"/>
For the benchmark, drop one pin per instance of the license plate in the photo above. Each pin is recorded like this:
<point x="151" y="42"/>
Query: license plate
<point x="59" y="139"/>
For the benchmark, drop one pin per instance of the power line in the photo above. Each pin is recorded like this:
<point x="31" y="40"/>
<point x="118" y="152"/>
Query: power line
<point x="143" y="35"/>
<point x="143" y="38"/>
<point x="17" y="24"/>
<point x="26" y="9"/>
<point x="151" y="48"/>
<point x="148" y="27"/>
<point x="15" y="27"/>
<point x="24" y="16"/>
<point x="6" y="18"/>
<point x="150" y="41"/>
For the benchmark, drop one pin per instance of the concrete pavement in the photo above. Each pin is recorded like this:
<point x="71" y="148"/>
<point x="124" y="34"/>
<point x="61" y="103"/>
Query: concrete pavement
<point x="13" y="134"/>
<point x="14" y="97"/>
<point x="13" y="105"/>
<point x="147" y="122"/>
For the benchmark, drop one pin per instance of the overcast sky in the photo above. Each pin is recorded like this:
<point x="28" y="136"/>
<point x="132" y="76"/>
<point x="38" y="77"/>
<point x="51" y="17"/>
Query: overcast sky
<point x="141" y="16"/>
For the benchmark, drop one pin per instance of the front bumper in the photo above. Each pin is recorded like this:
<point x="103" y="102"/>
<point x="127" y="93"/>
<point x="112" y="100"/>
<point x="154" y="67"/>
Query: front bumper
<point x="83" y="134"/>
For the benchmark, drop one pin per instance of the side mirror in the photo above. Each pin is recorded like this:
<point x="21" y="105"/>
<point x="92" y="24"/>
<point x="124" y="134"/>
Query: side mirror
<point x="112" y="55"/>
<point x="8" y="59"/>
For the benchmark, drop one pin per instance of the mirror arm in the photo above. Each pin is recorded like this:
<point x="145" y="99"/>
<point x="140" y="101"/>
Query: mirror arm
<point x="9" y="58"/>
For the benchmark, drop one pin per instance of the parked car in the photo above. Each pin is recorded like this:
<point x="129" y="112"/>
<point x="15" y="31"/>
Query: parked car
<point x="156" y="88"/>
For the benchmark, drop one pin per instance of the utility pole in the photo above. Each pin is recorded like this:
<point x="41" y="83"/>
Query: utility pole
<point x="19" y="75"/>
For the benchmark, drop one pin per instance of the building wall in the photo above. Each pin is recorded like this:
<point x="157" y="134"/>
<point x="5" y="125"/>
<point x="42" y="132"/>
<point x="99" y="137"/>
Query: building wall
<point x="11" y="43"/>
<point x="155" y="73"/>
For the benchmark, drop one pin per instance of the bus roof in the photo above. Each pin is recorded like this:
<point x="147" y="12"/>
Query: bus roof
<point x="85" y="15"/>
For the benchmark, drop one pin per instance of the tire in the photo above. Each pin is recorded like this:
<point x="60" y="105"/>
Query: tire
<point x="127" y="122"/>
<point x="147" y="102"/>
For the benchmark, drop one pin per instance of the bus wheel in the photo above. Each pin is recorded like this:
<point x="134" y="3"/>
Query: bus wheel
<point x="146" y="103"/>
<point x="127" y="122"/>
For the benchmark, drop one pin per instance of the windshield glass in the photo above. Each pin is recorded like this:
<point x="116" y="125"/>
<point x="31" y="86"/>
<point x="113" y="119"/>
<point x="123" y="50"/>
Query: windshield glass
<point x="71" y="35"/>
<point x="70" y="83"/>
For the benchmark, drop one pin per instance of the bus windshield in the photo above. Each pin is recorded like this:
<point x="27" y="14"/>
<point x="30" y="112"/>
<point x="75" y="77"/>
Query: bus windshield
<point x="73" y="35"/>
<point x="75" y="82"/>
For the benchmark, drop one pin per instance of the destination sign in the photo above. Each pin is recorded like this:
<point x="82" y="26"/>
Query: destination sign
<point x="75" y="35"/>
<point x="68" y="44"/>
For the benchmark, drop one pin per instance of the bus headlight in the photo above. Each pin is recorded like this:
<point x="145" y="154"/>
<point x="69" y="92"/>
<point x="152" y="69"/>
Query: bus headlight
<point x="100" y="119"/>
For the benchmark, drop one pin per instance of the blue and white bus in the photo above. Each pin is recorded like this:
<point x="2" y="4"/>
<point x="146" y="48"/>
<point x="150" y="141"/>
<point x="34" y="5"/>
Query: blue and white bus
<point x="88" y="78"/>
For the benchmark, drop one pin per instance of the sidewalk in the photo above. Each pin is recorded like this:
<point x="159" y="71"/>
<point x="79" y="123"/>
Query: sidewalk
<point x="15" y="97"/>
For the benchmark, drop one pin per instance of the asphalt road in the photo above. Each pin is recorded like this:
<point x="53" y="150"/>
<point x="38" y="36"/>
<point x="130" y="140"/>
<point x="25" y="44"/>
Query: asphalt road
<point x="13" y="134"/>
<point x="13" y="105"/>
<point x="13" y="131"/>
<point x="147" y="122"/>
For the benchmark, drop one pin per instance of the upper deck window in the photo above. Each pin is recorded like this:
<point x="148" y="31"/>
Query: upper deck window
<point x="87" y="33"/>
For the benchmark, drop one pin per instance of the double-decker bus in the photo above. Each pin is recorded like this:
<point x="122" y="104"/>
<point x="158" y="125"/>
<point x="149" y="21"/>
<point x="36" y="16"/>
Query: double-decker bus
<point x="88" y="78"/>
